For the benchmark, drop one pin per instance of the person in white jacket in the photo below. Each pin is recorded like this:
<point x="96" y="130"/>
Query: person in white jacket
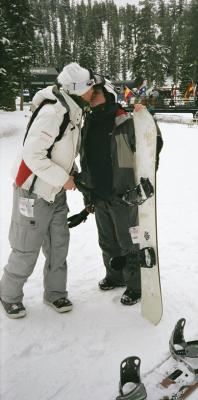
<point x="39" y="215"/>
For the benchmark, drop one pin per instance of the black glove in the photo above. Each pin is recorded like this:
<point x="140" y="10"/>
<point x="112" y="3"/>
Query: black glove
<point x="76" y="219"/>
<point x="80" y="184"/>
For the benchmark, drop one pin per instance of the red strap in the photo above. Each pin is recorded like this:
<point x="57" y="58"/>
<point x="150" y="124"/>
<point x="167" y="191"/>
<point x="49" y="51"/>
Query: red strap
<point x="120" y="112"/>
<point x="23" y="174"/>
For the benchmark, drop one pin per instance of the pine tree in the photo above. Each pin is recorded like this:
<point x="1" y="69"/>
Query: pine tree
<point x="65" y="48"/>
<point x="153" y="40"/>
<point x="87" y="57"/>
<point x="7" y="89"/>
<point x="55" y="31"/>
<point x="113" y="40"/>
<point x="193" y="37"/>
<point x="150" y="57"/>
<point x="20" y="34"/>
<point x="21" y="37"/>
<point x="128" y="21"/>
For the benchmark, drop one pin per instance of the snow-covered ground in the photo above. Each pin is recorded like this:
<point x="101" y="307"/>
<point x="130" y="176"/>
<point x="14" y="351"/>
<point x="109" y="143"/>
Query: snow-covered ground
<point x="76" y="356"/>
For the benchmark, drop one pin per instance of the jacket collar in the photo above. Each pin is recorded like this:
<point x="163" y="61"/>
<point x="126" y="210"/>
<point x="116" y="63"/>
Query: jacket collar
<point x="121" y="116"/>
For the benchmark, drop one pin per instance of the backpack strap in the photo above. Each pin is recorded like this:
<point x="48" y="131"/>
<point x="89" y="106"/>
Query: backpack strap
<point x="60" y="97"/>
<point x="35" y="113"/>
<point x="66" y="120"/>
<point x="64" y="124"/>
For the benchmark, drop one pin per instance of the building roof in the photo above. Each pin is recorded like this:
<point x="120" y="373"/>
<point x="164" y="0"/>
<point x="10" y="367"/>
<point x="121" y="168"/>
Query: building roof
<point x="44" y="71"/>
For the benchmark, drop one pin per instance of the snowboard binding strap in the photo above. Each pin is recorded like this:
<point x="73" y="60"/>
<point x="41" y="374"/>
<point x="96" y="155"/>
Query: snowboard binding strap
<point x="182" y="350"/>
<point x="140" y="193"/>
<point x="130" y="375"/>
<point x="147" y="257"/>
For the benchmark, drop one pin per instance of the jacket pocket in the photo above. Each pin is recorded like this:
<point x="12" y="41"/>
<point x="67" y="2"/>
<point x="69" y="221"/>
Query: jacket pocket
<point x="24" y="236"/>
<point x="124" y="152"/>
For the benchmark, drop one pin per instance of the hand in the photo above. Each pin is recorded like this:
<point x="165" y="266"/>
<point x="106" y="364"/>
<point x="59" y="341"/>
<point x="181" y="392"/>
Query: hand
<point x="138" y="107"/>
<point x="76" y="219"/>
<point x="90" y="208"/>
<point x="70" y="185"/>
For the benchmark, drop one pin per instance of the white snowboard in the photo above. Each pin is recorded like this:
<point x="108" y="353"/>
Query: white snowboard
<point x="146" y="139"/>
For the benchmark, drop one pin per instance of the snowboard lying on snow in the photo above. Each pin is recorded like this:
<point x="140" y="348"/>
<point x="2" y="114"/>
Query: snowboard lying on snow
<point x="176" y="377"/>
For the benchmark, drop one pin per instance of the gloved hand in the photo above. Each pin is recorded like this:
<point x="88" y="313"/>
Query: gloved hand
<point x="76" y="219"/>
<point x="80" y="184"/>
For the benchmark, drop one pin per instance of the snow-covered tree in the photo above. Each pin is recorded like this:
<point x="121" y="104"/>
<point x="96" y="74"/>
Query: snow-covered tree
<point x="153" y="39"/>
<point x="150" y="57"/>
<point x="7" y="89"/>
<point x="20" y="33"/>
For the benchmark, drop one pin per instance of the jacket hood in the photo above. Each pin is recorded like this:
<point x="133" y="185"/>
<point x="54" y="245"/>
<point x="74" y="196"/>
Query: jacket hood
<point x="41" y="95"/>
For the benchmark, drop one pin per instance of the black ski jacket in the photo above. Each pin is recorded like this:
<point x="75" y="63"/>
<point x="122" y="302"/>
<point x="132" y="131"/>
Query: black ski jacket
<point x="122" y="154"/>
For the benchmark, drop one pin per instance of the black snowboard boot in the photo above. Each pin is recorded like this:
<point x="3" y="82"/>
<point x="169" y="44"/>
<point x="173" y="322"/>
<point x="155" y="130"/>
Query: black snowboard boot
<point x="14" y="310"/>
<point x="107" y="284"/>
<point x="61" y="305"/>
<point x="130" y="297"/>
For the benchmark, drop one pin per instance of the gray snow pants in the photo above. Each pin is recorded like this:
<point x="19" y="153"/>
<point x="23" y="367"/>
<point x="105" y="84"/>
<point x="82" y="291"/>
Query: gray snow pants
<point x="36" y="223"/>
<point x="113" y="221"/>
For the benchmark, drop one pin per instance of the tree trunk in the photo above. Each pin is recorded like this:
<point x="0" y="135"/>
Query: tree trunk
<point x="21" y="93"/>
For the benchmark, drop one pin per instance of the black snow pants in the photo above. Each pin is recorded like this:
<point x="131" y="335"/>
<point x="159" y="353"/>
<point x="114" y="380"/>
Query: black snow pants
<point x="115" y="222"/>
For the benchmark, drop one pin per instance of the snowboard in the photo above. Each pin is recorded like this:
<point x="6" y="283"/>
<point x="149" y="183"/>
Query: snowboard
<point x="169" y="380"/>
<point x="176" y="377"/>
<point x="145" y="157"/>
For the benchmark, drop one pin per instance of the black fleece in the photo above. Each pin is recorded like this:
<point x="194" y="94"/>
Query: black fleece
<point x="98" y="149"/>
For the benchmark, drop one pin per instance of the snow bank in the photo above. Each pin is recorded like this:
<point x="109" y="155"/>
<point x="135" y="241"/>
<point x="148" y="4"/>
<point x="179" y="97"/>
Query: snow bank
<point x="176" y="118"/>
<point x="12" y="123"/>
<point x="76" y="356"/>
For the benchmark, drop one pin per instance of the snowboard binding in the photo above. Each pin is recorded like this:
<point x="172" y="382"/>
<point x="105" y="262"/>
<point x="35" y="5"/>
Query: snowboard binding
<point x="140" y="193"/>
<point x="147" y="257"/>
<point x="187" y="352"/>
<point x="131" y="387"/>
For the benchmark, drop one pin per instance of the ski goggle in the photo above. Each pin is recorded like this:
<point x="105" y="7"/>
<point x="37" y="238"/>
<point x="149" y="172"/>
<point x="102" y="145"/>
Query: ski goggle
<point x="78" y="86"/>
<point x="98" y="79"/>
<point x="103" y="81"/>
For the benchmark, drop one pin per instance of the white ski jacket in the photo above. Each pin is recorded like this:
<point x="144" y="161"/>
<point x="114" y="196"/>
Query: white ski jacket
<point x="52" y="173"/>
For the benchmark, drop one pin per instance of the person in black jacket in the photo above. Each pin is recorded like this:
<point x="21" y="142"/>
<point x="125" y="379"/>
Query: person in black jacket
<point x="107" y="163"/>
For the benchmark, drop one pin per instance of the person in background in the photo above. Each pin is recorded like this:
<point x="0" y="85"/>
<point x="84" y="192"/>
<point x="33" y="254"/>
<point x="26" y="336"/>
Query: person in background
<point x="42" y="175"/>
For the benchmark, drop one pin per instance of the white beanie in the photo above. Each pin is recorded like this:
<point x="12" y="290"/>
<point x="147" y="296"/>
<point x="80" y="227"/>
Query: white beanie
<point x="75" y="80"/>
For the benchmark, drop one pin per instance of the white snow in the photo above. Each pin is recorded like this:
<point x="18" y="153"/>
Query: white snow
<point x="4" y="41"/>
<point x="76" y="356"/>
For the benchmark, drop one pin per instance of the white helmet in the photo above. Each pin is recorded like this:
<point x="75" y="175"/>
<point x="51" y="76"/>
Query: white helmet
<point x="75" y="79"/>
<point x="106" y="83"/>
<point x="110" y="88"/>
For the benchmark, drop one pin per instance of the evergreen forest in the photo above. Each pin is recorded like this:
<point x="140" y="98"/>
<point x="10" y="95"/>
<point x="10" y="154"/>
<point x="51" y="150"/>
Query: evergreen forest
<point x="155" y="39"/>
